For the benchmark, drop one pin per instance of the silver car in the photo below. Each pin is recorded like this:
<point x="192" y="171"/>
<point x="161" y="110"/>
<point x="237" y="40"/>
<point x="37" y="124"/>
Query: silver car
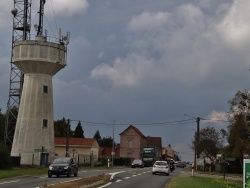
<point x="137" y="163"/>
<point x="161" y="167"/>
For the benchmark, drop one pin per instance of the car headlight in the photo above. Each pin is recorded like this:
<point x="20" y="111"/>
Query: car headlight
<point x="50" y="168"/>
<point x="66" y="167"/>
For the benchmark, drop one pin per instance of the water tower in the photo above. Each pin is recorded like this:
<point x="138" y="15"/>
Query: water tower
<point x="39" y="60"/>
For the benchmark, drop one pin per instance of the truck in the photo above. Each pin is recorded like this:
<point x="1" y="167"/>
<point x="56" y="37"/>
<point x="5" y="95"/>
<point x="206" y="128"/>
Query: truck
<point x="150" y="154"/>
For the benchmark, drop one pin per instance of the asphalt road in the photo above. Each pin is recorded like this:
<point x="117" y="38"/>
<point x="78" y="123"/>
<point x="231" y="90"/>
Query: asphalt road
<point x="122" y="177"/>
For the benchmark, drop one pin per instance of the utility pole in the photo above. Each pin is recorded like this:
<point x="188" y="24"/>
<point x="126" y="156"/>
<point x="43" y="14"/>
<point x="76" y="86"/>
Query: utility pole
<point x="197" y="137"/>
<point x="113" y="144"/>
<point x="67" y="139"/>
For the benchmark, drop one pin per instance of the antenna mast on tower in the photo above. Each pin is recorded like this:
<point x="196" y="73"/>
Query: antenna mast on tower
<point x="20" y="31"/>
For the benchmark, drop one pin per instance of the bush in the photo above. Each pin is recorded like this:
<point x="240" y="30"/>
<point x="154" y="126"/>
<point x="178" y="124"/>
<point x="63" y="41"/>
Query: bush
<point x="5" y="158"/>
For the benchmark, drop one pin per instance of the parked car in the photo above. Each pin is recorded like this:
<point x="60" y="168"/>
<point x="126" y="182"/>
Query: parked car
<point x="161" y="167"/>
<point x="63" y="166"/>
<point x="137" y="163"/>
<point x="181" y="164"/>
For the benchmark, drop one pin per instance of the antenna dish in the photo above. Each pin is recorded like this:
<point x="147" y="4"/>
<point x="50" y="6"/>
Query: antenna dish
<point x="14" y="11"/>
<point x="65" y="38"/>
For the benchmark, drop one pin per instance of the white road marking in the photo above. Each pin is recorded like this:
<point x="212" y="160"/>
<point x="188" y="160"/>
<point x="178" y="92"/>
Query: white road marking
<point x="9" y="182"/>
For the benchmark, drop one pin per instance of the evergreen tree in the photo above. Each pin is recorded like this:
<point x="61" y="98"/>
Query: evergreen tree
<point x="79" y="133"/>
<point x="107" y="142"/>
<point x="98" y="137"/>
<point x="61" y="128"/>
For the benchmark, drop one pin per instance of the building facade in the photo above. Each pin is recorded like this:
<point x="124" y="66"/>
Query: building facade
<point x="84" y="150"/>
<point x="132" y="141"/>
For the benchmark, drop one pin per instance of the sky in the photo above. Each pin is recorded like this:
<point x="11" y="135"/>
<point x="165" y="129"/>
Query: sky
<point x="144" y="63"/>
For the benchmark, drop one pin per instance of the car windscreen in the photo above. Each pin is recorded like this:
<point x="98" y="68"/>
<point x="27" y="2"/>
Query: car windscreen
<point x="160" y="163"/>
<point x="137" y="161"/>
<point x="61" y="161"/>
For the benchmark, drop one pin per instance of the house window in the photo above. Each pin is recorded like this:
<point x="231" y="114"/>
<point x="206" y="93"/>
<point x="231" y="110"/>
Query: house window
<point x="45" y="123"/>
<point x="45" y="89"/>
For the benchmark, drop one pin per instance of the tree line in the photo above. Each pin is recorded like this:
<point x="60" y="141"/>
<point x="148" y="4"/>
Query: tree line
<point x="233" y="142"/>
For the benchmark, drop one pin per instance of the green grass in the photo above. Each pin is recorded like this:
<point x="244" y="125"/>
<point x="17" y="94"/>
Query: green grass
<point x="21" y="172"/>
<point x="198" y="182"/>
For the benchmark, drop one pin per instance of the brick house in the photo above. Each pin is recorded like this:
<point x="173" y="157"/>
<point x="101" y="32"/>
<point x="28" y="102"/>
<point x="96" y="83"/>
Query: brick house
<point x="168" y="152"/>
<point x="132" y="141"/>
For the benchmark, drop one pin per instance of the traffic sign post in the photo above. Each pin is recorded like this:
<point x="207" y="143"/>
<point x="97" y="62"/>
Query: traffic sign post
<point x="246" y="173"/>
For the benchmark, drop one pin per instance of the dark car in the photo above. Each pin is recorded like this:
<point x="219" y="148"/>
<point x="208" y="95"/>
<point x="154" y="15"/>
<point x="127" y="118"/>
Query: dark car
<point x="63" y="166"/>
<point x="181" y="164"/>
<point x="137" y="163"/>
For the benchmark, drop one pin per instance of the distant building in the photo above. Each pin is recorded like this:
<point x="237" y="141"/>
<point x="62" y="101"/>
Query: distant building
<point x="169" y="152"/>
<point x="84" y="150"/>
<point x="132" y="141"/>
<point x="107" y="151"/>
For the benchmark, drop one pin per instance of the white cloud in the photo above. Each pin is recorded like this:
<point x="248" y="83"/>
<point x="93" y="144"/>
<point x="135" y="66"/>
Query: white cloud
<point x="149" y="21"/>
<point x="235" y="28"/>
<point x="67" y="8"/>
<point x="217" y="117"/>
<point x="128" y="71"/>
<point x="181" y="41"/>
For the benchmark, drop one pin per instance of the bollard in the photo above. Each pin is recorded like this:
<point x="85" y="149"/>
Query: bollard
<point x="193" y="169"/>
<point x="108" y="163"/>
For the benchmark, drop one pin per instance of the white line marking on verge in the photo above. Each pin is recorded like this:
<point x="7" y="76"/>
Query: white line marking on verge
<point x="9" y="182"/>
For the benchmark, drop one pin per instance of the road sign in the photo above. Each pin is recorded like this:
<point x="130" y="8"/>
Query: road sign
<point x="246" y="173"/>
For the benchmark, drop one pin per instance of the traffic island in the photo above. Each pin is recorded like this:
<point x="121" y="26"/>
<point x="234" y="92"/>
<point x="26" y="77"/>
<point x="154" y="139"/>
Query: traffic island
<point x="88" y="182"/>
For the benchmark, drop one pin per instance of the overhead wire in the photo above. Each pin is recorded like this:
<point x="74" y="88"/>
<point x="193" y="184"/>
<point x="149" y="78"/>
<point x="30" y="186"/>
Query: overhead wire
<point x="137" y="124"/>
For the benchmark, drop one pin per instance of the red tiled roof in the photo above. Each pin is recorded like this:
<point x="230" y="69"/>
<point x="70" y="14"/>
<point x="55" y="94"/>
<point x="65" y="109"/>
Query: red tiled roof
<point x="136" y="130"/>
<point x="75" y="141"/>
<point x="107" y="151"/>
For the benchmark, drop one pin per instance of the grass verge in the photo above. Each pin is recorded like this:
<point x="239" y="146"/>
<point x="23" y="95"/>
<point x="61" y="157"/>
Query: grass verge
<point x="198" y="182"/>
<point x="20" y="172"/>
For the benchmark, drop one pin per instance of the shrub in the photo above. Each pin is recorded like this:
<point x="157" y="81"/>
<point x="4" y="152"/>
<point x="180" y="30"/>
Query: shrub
<point x="5" y="157"/>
